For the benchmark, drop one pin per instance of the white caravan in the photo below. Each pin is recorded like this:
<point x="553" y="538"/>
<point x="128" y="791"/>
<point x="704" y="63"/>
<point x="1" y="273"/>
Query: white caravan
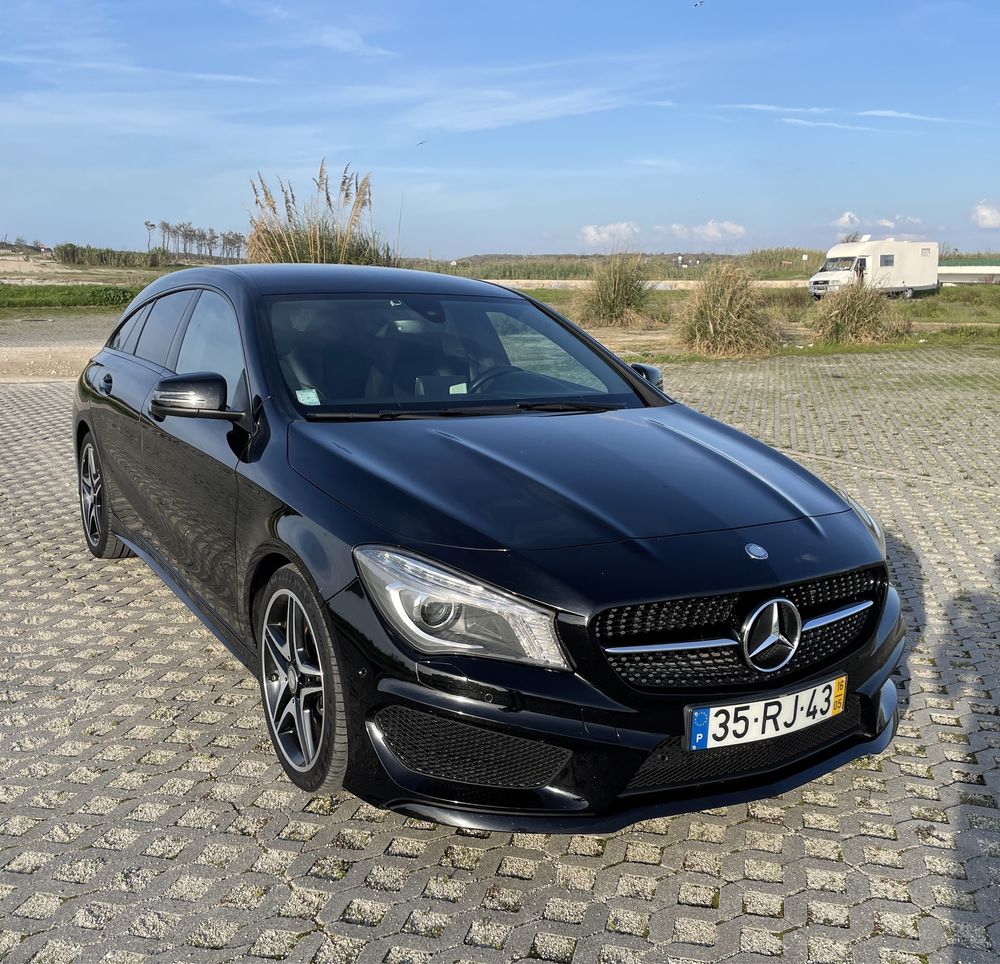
<point x="895" y="267"/>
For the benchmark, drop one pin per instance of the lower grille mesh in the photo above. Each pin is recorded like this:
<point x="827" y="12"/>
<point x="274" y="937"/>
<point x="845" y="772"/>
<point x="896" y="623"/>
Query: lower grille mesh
<point x="670" y="765"/>
<point x="463" y="753"/>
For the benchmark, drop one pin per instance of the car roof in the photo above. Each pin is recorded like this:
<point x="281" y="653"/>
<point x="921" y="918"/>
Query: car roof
<point x="276" y="279"/>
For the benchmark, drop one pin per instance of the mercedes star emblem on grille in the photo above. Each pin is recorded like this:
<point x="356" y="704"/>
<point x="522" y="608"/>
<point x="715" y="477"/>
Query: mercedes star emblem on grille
<point x="754" y="551"/>
<point x="771" y="635"/>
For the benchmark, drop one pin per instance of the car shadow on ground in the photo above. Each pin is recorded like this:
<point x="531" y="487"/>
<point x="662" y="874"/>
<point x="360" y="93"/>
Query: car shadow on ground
<point x="946" y="753"/>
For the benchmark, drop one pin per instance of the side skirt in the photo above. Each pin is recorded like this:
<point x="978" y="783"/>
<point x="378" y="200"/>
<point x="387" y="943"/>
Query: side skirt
<point x="212" y="623"/>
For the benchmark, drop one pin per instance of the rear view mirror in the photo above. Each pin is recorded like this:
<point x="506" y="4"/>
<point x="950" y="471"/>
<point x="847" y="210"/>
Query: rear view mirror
<point x="651" y="373"/>
<point x="200" y="395"/>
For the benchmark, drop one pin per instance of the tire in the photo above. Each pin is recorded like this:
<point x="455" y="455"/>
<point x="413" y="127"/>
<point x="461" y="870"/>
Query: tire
<point x="906" y="294"/>
<point x="300" y="685"/>
<point x="94" y="514"/>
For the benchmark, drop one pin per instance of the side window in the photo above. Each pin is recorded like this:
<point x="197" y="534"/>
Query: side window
<point x="886" y="260"/>
<point x="161" y="326"/>
<point x="212" y="342"/>
<point x="119" y="340"/>
<point x="528" y="348"/>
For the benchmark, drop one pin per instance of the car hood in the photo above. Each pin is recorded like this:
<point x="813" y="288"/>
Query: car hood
<point x="533" y="481"/>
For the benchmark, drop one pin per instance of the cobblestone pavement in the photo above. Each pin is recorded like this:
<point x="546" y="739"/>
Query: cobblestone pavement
<point x="143" y="816"/>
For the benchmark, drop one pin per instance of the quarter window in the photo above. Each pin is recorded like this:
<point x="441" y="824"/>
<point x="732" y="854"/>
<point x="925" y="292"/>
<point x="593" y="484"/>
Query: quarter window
<point x="886" y="260"/>
<point x="212" y="342"/>
<point x="161" y="326"/>
<point x="120" y="339"/>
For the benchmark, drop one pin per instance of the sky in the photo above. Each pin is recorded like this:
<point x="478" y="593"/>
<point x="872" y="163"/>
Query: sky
<point x="521" y="127"/>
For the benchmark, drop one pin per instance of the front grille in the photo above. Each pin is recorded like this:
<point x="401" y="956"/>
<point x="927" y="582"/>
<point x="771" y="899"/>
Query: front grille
<point x="462" y="753"/>
<point x="670" y="765"/>
<point x="719" y="617"/>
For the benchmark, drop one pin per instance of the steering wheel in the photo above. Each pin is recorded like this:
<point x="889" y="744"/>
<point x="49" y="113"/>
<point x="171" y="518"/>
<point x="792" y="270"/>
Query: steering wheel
<point x="490" y="375"/>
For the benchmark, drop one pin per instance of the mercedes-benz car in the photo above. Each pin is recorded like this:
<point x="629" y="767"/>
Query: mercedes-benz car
<point x="486" y="573"/>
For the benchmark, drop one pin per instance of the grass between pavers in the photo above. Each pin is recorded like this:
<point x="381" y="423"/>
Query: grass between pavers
<point x="66" y="296"/>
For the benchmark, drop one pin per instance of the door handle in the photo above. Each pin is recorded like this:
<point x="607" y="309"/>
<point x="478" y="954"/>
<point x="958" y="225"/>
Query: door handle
<point x="107" y="382"/>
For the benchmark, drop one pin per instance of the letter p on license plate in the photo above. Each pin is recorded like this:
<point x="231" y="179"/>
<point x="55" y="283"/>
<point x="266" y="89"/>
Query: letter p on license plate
<point x="747" y="722"/>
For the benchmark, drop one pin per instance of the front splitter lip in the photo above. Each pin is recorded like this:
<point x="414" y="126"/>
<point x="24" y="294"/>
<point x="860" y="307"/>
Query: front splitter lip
<point x="562" y="823"/>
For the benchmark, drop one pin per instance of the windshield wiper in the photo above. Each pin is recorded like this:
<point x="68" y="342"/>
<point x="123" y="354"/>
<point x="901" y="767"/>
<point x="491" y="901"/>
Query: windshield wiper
<point x="460" y="412"/>
<point x="567" y="407"/>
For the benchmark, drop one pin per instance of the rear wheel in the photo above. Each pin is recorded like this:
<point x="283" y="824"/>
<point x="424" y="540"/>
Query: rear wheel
<point x="300" y="683"/>
<point x="94" y="505"/>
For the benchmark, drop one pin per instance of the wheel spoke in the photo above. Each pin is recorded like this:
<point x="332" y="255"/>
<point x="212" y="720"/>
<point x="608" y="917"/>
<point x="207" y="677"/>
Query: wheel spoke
<point x="277" y="647"/>
<point x="303" y="723"/>
<point x="280" y="705"/>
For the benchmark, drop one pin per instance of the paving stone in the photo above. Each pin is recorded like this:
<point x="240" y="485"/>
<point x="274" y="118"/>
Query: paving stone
<point x="143" y="816"/>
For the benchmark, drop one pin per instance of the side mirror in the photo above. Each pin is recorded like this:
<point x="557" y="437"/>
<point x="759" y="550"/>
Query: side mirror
<point x="201" y="395"/>
<point x="651" y="373"/>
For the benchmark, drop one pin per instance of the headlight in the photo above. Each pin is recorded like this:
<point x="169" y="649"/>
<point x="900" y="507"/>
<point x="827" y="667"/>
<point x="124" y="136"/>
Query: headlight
<point x="870" y="523"/>
<point x="439" y="611"/>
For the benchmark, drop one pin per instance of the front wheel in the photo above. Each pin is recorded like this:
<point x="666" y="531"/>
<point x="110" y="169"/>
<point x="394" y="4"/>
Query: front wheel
<point x="300" y="683"/>
<point x="94" y="505"/>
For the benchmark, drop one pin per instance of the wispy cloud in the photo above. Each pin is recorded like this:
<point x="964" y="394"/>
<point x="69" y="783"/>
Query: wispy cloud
<point x="847" y="220"/>
<point x="487" y="109"/>
<point x="656" y="163"/>
<point x="710" y="232"/>
<point x="778" y="109"/>
<point x="904" y="115"/>
<point x="799" y="122"/>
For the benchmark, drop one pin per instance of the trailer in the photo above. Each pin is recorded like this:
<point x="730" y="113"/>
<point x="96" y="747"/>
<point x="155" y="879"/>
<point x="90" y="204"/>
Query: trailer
<point x="899" y="268"/>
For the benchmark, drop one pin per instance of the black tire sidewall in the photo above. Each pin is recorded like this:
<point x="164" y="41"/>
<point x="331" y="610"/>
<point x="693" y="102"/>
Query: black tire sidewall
<point x="327" y="773"/>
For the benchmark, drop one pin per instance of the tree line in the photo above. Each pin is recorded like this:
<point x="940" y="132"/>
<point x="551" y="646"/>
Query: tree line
<point x="184" y="238"/>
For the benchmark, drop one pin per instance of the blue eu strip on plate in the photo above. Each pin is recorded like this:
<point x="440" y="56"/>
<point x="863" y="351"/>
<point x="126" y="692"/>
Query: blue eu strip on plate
<point x="699" y="729"/>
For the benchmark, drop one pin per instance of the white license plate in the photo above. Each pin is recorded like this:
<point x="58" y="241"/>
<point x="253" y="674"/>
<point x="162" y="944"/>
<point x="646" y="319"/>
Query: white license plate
<point x="733" y="723"/>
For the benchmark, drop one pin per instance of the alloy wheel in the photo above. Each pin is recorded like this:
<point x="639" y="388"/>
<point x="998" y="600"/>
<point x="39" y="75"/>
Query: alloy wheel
<point x="91" y="493"/>
<point x="293" y="680"/>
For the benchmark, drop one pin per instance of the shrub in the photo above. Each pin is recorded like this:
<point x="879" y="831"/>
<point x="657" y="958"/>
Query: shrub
<point x="726" y="315"/>
<point x="619" y="292"/>
<point x="858" y="315"/>
<point x="325" y="230"/>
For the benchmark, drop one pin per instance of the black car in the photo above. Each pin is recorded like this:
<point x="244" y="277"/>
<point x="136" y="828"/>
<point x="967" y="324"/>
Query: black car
<point x="486" y="573"/>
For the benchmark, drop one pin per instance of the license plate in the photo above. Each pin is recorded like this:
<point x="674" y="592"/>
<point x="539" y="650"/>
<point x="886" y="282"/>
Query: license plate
<point x="734" y="723"/>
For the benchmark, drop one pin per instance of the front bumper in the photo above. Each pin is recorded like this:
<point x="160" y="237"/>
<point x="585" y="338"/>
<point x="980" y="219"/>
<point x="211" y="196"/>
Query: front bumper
<point x="493" y="745"/>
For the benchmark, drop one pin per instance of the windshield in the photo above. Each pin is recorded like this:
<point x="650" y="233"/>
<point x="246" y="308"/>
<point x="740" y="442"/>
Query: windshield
<point x="838" y="264"/>
<point x="392" y="355"/>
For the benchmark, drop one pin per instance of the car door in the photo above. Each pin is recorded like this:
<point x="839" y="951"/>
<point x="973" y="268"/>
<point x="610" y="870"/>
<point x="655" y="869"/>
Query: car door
<point x="122" y="376"/>
<point x="189" y="464"/>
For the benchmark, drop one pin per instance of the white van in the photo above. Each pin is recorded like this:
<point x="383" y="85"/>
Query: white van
<point x="895" y="267"/>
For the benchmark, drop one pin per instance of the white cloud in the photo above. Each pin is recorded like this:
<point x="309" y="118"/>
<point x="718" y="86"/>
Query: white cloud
<point x="719" y="231"/>
<point x="779" y="109"/>
<point x="840" y="127"/>
<point x="986" y="215"/>
<point x="886" y="223"/>
<point x="656" y="163"/>
<point x="847" y="220"/>
<point x="903" y="115"/>
<point x="602" y="235"/>
<point x="710" y="231"/>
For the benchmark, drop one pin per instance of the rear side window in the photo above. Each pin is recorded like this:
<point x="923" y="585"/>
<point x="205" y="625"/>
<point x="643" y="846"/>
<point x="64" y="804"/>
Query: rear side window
<point x="120" y="339"/>
<point x="212" y="342"/>
<point x="161" y="326"/>
<point x="886" y="260"/>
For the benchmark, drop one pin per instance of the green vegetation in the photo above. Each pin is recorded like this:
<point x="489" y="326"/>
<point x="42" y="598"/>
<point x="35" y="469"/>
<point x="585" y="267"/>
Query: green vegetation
<point x="861" y="316"/>
<point x="327" y="229"/>
<point x="619" y="293"/>
<point x="727" y="316"/>
<point x="769" y="263"/>
<point x="85" y="255"/>
<point x="66" y="296"/>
